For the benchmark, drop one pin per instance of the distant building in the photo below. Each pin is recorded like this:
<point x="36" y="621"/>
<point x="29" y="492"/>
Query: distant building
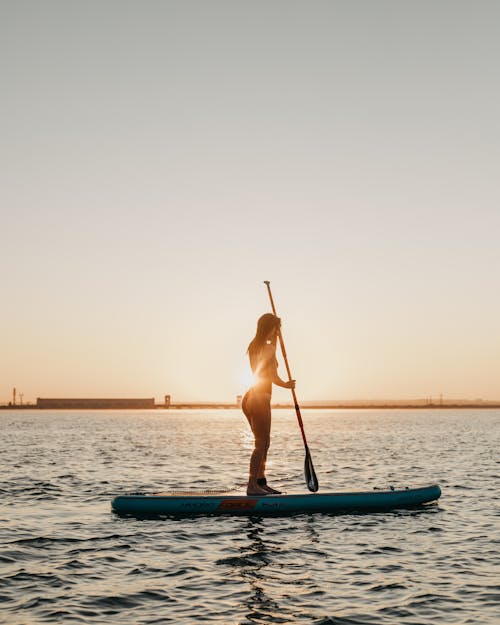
<point x="94" y="404"/>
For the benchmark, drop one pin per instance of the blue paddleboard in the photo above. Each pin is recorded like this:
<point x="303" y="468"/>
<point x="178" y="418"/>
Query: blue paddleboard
<point x="195" y="504"/>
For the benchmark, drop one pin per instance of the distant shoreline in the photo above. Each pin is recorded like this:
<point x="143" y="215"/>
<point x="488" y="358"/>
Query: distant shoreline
<point x="286" y="406"/>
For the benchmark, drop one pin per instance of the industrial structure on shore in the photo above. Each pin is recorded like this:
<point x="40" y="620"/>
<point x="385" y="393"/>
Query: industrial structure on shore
<point x="95" y="404"/>
<point x="125" y="404"/>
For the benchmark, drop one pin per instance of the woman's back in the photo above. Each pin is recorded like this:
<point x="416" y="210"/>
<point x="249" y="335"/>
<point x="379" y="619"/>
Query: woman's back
<point x="264" y="364"/>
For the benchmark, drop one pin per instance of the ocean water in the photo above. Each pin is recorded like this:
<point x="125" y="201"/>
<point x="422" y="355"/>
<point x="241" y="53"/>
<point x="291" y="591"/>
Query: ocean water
<point x="66" y="558"/>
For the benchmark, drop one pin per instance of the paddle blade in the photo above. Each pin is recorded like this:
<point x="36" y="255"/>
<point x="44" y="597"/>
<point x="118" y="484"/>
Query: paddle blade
<point x="310" y="474"/>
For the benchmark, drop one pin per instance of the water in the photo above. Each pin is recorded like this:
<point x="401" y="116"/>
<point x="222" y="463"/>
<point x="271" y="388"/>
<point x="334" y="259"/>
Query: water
<point x="65" y="557"/>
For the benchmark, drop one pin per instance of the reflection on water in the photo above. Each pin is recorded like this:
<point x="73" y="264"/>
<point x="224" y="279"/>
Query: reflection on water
<point x="264" y="562"/>
<point x="66" y="558"/>
<point x="253" y="566"/>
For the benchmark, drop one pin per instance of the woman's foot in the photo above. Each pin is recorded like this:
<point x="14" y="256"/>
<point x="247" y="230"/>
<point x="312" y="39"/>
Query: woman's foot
<point x="272" y="491"/>
<point x="262" y="482"/>
<point x="257" y="490"/>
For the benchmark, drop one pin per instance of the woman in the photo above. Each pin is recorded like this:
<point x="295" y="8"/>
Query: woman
<point x="256" y="403"/>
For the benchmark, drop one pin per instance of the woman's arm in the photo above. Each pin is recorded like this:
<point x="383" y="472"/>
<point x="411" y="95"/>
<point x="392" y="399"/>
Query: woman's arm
<point x="279" y="382"/>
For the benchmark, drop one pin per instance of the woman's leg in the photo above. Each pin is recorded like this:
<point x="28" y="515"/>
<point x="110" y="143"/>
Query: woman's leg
<point x="258" y="412"/>
<point x="261" y="428"/>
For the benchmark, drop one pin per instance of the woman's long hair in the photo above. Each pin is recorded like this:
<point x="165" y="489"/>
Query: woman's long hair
<point x="265" y="324"/>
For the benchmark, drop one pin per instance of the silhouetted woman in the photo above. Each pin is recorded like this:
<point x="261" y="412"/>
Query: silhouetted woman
<point x="256" y="403"/>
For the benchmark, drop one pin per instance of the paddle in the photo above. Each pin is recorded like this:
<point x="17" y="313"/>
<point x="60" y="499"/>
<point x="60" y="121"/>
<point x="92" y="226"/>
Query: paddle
<point x="310" y="475"/>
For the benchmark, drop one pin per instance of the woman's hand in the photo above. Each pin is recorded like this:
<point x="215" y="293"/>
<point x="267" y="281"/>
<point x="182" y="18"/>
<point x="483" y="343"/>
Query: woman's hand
<point x="284" y="384"/>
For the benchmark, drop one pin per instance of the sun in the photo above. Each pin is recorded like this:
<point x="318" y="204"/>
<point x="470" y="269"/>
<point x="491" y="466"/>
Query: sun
<point x="246" y="378"/>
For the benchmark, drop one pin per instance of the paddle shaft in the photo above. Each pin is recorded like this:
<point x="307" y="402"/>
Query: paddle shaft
<point x="283" y="351"/>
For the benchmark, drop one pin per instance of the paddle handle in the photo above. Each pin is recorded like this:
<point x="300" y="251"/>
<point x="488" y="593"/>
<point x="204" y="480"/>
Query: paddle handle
<point x="287" y="366"/>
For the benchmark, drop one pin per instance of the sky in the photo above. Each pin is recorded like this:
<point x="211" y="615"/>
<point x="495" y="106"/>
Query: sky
<point x="160" y="159"/>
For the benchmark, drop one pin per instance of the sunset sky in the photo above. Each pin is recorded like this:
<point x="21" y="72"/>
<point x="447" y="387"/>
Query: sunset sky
<point x="160" y="159"/>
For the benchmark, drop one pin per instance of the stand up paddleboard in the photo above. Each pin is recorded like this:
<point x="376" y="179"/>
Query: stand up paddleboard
<point x="196" y="504"/>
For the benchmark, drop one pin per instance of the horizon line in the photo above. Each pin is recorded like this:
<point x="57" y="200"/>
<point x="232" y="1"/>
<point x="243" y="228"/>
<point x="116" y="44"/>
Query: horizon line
<point x="150" y="403"/>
